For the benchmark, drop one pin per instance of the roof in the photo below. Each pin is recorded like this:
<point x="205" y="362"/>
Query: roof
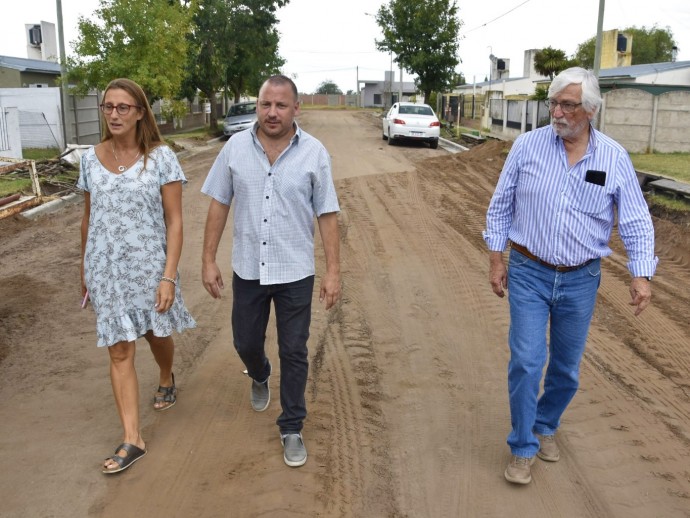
<point x="634" y="71"/>
<point x="30" y="65"/>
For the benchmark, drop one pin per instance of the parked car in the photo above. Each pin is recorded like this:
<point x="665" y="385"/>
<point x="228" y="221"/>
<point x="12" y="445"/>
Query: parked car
<point x="410" y="121"/>
<point x="240" y="117"/>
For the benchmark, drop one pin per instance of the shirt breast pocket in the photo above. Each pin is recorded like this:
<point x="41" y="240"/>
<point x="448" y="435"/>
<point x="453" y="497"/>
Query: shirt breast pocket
<point x="590" y="198"/>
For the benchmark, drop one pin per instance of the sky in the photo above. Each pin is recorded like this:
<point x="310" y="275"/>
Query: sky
<point x="332" y="40"/>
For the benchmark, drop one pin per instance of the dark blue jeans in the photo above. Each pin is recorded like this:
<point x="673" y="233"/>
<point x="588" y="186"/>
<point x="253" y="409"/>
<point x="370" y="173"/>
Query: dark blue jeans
<point x="250" y="312"/>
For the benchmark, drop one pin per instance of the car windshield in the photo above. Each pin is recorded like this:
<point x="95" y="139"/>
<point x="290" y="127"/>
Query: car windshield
<point x="242" y="109"/>
<point x="416" y="110"/>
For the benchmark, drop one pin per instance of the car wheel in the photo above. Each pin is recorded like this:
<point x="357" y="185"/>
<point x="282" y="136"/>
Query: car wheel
<point x="433" y="144"/>
<point x="383" y="135"/>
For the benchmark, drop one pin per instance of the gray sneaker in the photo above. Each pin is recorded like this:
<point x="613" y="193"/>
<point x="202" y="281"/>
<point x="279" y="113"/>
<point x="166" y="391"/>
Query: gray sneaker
<point x="294" y="451"/>
<point x="519" y="471"/>
<point x="261" y="395"/>
<point x="548" y="449"/>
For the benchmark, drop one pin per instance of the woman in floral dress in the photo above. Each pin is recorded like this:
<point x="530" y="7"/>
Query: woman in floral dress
<point x="131" y="244"/>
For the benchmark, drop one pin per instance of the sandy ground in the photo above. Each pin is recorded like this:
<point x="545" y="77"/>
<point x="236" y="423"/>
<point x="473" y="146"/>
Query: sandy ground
<point x="407" y="388"/>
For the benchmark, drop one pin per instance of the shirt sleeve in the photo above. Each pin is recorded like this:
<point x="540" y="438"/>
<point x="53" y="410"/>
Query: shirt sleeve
<point x="499" y="216"/>
<point x="324" y="199"/>
<point x="635" y="225"/>
<point x="218" y="183"/>
<point x="168" y="166"/>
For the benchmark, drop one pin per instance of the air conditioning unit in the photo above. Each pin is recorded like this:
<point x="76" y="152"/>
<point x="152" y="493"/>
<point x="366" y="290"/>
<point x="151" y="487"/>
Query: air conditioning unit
<point x="35" y="37"/>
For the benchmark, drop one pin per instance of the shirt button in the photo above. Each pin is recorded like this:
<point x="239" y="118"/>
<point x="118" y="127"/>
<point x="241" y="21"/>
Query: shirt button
<point x="262" y="264"/>
<point x="269" y="174"/>
<point x="264" y="242"/>
<point x="266" y="197"/>
<point x="265" y="220"/>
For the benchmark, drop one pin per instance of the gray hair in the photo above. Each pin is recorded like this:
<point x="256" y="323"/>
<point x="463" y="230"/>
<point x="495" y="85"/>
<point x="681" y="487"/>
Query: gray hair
<point x="591" y="95"/>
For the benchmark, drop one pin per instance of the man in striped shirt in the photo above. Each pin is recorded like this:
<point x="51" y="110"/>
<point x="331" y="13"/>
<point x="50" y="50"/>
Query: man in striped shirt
<point x="279" y="178"/>
<point x="555" y="202"/>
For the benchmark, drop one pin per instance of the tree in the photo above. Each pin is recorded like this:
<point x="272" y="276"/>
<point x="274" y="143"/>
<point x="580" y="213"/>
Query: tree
<point x="652" y="45"/>
<point x="233" y="45"/>
<point x="133" y="39"/>
<point x="549" y="62"/>
<point x="256" y="51"/>
<point x="328" y="87"/>
<point x="423" y="37"/>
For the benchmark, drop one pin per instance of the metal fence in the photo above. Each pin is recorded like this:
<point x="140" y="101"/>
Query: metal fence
<point x="36" y="131"/>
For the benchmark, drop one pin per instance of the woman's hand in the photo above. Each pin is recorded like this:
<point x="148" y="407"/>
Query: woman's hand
<point x="165" y="296"/>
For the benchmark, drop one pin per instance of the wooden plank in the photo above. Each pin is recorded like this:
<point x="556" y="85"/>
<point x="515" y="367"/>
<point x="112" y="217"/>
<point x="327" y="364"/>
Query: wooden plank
<point x="11" y="167"/>
<point x="18" y="207"/>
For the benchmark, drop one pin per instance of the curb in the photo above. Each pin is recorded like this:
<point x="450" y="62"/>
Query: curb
<point x="52" y="206"/>
<point x="451" y="146"/>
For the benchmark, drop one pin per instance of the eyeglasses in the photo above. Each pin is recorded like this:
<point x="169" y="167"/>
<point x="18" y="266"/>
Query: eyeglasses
<point x="566" y="107"/>
<point x="122" y="108"/>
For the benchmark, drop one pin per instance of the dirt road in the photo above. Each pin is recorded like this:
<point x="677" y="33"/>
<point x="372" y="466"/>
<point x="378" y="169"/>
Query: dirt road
<point x="407" y="388"/>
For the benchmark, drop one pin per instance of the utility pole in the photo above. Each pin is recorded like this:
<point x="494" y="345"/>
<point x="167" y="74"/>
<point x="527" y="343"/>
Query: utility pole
<point x="597" y="48"/>
<point x="63" y="75"/>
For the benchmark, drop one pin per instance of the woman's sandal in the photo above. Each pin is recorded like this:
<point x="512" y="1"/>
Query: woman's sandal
<point x="165" y="395"/>
<point x="133" y="454"/>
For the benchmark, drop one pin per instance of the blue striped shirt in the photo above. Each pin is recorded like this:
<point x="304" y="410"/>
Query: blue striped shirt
<point x="275" y="205"/>
<point x="543" y="204"/>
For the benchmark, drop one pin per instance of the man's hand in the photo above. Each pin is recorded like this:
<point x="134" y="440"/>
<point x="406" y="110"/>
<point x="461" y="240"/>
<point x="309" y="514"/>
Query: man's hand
<point x="641" y="293"/>
<point x="212" y="278"/>
<point x="498" y="274"/>
<point x="330" y="289"/>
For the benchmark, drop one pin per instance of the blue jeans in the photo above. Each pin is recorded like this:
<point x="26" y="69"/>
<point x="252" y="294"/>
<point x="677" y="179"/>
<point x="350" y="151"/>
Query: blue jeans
<point x="563" y="301"/>
<point x="250" y="312"/>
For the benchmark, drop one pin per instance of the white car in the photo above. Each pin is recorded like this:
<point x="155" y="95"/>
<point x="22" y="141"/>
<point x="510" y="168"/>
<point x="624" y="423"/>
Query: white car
<point x="410" y="121"/>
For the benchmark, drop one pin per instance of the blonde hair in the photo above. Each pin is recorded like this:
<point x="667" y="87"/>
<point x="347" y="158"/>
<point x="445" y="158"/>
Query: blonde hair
<point x="148" y="135"/>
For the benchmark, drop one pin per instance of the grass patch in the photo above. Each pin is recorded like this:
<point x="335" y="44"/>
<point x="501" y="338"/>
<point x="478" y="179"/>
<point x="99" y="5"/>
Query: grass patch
<point x="672" y="165"/>
<point x="9" y="187"/>
<point x="40" y="153"/>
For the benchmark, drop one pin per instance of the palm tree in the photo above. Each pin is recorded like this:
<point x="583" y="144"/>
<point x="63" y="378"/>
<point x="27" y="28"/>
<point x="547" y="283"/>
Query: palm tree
<point x="549" y="62"/>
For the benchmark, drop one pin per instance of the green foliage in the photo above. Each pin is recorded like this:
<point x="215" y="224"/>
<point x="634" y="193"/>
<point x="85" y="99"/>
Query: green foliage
<point x="653" y="45"/>
<point x="174" y="110"/>
<point x="328" y="87"/>
<point x="673" y="165"/>
<point x="584" y="55"/>
<point x="541" y="93"/>
<point x="432" y="100"/>
<point x="423" y="36"/>
<point x="40" y="153"/>
<point x="233" y="45"/>
<point x="134" y="39"/>
<point x="549" y="62"/>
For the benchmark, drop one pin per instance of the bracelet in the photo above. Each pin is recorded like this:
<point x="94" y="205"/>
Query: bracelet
<point x="168" y="279"/>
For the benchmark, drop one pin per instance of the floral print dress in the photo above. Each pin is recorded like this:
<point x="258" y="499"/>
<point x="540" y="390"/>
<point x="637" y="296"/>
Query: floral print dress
<point x="126" y="247"/>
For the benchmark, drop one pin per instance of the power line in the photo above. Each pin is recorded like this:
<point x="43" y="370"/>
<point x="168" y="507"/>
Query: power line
<point x="498" y="17"/>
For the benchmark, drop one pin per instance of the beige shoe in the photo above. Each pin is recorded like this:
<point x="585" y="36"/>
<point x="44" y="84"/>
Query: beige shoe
<point x="519" y="470"/>
<point x="548" y="449"/>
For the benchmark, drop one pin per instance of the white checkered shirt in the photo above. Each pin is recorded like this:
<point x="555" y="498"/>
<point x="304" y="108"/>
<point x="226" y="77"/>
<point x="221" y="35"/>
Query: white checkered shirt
<point x="275" y="205"/>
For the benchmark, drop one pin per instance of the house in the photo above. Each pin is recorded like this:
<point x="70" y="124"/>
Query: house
<point x="384" y="93"/>
<point x="28" y="73"/>
<point x="616" y="72"/>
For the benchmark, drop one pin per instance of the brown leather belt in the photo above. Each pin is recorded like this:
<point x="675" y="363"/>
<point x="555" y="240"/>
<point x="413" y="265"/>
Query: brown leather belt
<point x="521" y="249"/>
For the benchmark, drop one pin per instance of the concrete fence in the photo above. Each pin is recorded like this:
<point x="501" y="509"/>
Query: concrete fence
<point x="640" y="121"/>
